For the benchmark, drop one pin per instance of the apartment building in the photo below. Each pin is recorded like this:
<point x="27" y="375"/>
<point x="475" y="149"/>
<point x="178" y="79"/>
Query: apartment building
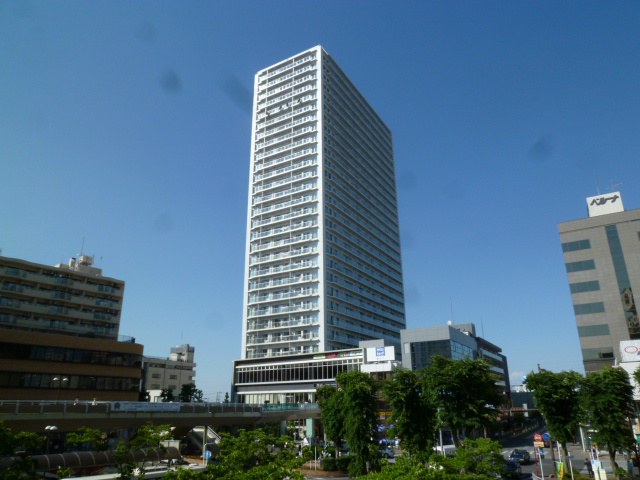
<point x="59" y="333"/>
<point x="324" y="266"/>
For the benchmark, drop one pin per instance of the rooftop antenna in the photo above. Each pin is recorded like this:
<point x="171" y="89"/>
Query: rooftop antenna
<point x="482" y="326"/>
<point x="181" y="335"/>
<point x="451" y="305"/>
<point x="613" y="186"/>
<point x="597" y="186"/>
<point x="82" y="249"/>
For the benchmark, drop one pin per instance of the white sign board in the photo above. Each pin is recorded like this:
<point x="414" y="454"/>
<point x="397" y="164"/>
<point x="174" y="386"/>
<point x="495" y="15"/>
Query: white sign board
<point x="605" y="204"/>
<point x="630" y="350"/>
<point x="144" y="407"/>
<point x="381" y="354"/>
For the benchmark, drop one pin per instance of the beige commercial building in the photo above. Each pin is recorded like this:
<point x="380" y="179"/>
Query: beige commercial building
<point x="602" y="258"/>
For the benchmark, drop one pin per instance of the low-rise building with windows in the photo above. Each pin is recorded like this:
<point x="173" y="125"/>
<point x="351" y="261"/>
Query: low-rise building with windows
<point x="169" y="373"/>
<point x="455" y="341"/>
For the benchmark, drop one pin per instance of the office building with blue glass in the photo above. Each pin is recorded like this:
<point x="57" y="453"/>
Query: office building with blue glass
<point x="602" y="258"/>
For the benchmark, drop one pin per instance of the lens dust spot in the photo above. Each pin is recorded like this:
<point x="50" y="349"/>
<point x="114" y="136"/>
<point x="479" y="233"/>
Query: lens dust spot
<point x="171" y="82"/>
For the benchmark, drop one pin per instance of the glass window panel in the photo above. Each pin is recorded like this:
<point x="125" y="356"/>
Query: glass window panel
<point x="582" y="287"/>
<point x="588" y="308"/>
<point x="580" y="266"/>
<point x="593" y="330"/>
<point x="578" y="245"/>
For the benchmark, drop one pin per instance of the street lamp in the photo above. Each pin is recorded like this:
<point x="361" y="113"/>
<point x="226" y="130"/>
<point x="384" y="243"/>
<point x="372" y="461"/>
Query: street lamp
<point x="49" y="429"/>
<point x="60" y="382"/>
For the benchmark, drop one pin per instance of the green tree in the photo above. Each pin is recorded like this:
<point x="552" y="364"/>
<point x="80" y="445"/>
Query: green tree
<point x="21" y="445"/>
<point x="148" y="436"/>
<point x="189" y="393"/>
<point x="607" y="397"/>
<point x="226" y="397"/>
<point x="466" y="394"/>
<point x="166" y="394"/>
<point x="255" y="455"/>
<point x="557" y="396"/>
<point x="481" y="458"/>
<point x="95" y="438"/>
<point x="413" y="412"/>
<point x="475" y="460"/>
<point x="332" y="411"/>
<point x="359" y="395"/>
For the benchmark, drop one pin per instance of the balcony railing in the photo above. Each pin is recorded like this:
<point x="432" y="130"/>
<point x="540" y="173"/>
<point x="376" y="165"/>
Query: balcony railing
<point x="305" y="292"/>
<point x="312" y="277"/>
<point x="284" y="268"/>
<point x="308" y="118"/>
<point x="284" y="181"/>
<point x="297" y="111"/>
<point x="301" y="307"/>
<point x="283" y="339"/>
<point x="277" y="256"/>
<point x="286" y="241"/>
<point x="304" y="320"/>
<point x="280" y="230"/>
<point x="300" y="131"/>
<point x="277" y="206"/>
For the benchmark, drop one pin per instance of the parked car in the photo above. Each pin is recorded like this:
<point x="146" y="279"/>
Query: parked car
<point x="520" y="455"/>
<point x="511" y="469"/>
<point x="387" y="453"/>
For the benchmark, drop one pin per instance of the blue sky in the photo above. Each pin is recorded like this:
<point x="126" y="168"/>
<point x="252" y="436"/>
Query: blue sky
<point x="128" y="124"/>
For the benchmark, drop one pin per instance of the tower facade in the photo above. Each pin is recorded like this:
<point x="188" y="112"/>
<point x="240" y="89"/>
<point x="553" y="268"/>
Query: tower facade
<point x="324" y="267"/>
<point x="601" y="256"/>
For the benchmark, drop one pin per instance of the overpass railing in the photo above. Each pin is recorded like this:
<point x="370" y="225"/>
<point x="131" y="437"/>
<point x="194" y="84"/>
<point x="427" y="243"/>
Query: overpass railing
<point x="71" y="406"/>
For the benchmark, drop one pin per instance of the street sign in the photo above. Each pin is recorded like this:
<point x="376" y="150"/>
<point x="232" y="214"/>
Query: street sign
<point x="546" y="437"/>
<point x="207" y="454"/>
<point x="537" y="437"/>
<point x="538" y="444"/>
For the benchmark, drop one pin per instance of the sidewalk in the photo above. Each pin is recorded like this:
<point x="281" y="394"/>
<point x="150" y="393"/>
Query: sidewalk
<point x="579" y="456"/>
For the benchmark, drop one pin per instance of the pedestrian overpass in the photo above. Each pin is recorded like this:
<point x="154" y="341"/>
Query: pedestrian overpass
<point x="69" y="416"/>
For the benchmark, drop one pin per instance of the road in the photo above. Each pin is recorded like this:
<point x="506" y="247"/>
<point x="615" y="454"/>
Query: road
<point x="526" y="442"/>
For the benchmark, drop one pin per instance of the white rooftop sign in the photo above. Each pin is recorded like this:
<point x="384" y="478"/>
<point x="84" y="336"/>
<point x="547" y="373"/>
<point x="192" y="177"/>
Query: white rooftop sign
<point x="605" y="204"/>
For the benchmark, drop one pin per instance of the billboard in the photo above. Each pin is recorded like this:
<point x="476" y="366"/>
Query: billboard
<point x="381" y="354"/>
<point x="605" y="204"/>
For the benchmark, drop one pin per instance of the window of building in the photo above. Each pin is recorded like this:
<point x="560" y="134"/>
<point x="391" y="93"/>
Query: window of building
<point x="593" y="330"/>
<point x="580" y="266"/>
<point x="173" y="377"/>
<point x="173" y="387"/>
<point x="581" y="287"/>
<point x="155" y="375"/>
<point x="587" y="308"/>
<point x="573" y="246"/>
<point x="155" y="386"/>
<point x="597" y="353"/>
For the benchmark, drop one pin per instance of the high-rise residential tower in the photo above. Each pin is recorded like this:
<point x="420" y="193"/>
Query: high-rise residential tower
<point x="324" y="267"/>
<point x="601" y="254"/>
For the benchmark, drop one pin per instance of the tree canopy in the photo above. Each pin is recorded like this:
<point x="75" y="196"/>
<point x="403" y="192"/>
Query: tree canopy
<point x="607" y="397"/>
<point x="189" y="393"/>
<point x="360" y="420"/>
<point x="558" y="399"/>
<point x="331" y="405"/>
<point x="413" y="412"/>
<point x="465" y="393"/>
